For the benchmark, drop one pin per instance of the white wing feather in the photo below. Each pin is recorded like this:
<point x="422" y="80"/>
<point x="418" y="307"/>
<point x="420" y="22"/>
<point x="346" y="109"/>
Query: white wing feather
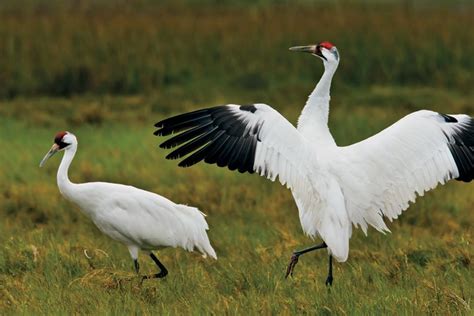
<point x="382" y="174"/>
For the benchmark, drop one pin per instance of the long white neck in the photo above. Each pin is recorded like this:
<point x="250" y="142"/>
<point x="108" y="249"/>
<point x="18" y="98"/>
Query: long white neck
<point x="66" y="187"/>
<point x="313" y="121"/>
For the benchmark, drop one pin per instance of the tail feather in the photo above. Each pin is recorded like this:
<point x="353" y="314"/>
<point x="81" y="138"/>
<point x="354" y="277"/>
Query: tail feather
<point x="197" y="231"/>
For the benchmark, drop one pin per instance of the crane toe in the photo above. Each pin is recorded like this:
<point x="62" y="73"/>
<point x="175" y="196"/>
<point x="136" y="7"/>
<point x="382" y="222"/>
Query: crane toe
<point x="329" y="280"/>
<point x="292" y="264"/>
<point x="162" y="274"/>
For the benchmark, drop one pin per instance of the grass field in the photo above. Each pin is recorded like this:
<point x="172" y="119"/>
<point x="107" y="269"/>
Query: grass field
<point x="184" y="57"/>
<point x="423" y="266"/>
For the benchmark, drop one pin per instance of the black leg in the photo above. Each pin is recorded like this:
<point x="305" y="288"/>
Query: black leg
<point x="296" y="254"/>
<point x="163" y="272"/>
<point x="137" y="266"/>
<point x="329" y="278"/>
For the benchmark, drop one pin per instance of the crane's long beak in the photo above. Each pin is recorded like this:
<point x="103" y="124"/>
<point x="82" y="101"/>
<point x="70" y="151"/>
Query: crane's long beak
<point x="305" y="49"/>
<point x="54" y="149"/>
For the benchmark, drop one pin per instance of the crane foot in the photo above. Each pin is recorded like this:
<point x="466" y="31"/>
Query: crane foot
<point x="329" y="280"/>
<point x="163" y="271"/>
<point x="292" y="264"/>
<point x="160" y="275"/>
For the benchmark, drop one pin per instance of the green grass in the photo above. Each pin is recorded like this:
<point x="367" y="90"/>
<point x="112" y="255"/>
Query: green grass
<point x="424" y="266"/>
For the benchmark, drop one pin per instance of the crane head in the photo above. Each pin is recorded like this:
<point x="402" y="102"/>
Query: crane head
<point x="324" y="50"/>
<point x="62" y="140"/>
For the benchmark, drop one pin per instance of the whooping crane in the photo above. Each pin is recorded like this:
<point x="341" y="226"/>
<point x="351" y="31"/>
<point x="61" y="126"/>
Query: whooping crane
<point x="139" y="219"/>
<point x="333" y="187"/>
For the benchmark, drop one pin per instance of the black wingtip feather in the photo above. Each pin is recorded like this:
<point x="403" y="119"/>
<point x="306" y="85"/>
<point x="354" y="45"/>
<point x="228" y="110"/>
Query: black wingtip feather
<point x="219" y="135"/>
<point x="223" y="158"/>
<point x="462" y="149"/>
<point x="187" y="135"/>
<point x="217" y="145"/>
<point x="184" y="125"/>
<point x="184" y="117"/>
<point x="195" y="143"/>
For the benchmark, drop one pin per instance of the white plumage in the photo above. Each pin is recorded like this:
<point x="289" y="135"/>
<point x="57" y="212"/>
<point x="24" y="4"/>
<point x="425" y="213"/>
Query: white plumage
<point x="408" y="158"/>
<point x="334" y="187"/>
<point x="139" y="219"/>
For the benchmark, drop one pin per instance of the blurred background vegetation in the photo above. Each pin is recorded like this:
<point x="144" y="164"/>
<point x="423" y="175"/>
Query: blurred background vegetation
<point x="64" y="48"/>
<point x="107" y="70"/>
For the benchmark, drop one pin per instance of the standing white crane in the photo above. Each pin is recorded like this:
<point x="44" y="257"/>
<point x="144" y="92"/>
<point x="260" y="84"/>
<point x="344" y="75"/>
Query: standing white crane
<point x="139" y="219"/>
<point x="334" y="187"/>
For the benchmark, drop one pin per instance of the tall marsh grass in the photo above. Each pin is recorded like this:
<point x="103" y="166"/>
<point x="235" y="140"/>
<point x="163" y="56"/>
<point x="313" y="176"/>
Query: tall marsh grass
<point x="64" y="48"/>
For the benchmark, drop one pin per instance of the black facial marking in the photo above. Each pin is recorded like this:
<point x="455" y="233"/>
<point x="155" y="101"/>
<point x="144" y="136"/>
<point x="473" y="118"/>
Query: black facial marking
<point x="59" y="140"/>
<point x="319" y="53"/>
<point x="62" y="144"/>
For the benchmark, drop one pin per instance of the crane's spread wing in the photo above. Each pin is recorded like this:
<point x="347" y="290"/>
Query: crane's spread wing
<point x="412" y="156"/>
<point x="246" y="138"/>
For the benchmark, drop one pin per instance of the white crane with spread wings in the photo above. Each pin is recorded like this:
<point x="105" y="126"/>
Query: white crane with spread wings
<point x="334" y="187"/>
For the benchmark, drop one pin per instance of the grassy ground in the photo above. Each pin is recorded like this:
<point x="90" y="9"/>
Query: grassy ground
<point x="108" y="70"/>
<point x="423" y="266"/>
